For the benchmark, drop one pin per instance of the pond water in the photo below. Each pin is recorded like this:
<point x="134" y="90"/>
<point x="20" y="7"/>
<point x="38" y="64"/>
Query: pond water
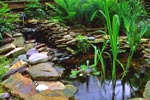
<point x="93" y="88"/>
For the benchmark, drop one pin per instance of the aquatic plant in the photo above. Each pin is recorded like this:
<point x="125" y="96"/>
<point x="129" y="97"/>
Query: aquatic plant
<point x="34" y="9"/>
<point x="131" y="13"/>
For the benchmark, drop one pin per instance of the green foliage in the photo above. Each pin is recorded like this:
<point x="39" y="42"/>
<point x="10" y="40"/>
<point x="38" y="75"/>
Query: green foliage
<point x="131" y="13"/>
<point x="34" y="9"/>
<point x="6" y="19"/>
<point x="3" y="61"/>
<point x="82" y="44"/>
<point x="80" y="11"/>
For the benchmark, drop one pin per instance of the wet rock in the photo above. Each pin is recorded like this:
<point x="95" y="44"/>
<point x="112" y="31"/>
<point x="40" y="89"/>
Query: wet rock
<point x="15" y="52"/>
<point x="52" y="85"/>
<point x="48" y="95"/>
<point x="43" y="72"/>
<point x="69" y="91"/>
<point x="4" y="96"/>
<point x="6" y="48"/>
<point x="20" y="86"/>
<point x="37" y="58"/>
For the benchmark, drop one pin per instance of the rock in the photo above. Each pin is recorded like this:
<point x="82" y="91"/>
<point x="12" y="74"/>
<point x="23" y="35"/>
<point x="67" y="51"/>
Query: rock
<point x="18" y="64"/>
<point x="20" y="86"/>
<point x="29" y="46"/>
<point x="37" y="58"/>
<point x="41" y="49"/>
<point x="40" y="45"/>
<point x="146" y="93"/>
<point x="31" y="51"/>
<point x="15" y="69"/>
<point x="41" y="87"/>
<point x="48" y="95"/>
<point x="16" y="52"/>
<point x="52" y="85"/>
<point x="97" y="41"/>
<point x="71" y="50"/>
<point x="6" y="48"/>
<point x="43" y="72"/>
<point x="91" y="38"/>
<point x="19" y="41"/>
<point x="23" y="57"/>
<point x="7" y="40"/>
<point x="4" y="95"/>
<point x="17" y="34"/>
<point x="69" y="91"/>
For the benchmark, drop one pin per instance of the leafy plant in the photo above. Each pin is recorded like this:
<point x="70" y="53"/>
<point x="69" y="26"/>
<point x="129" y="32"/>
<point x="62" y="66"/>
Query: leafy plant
<point x="3" y="61"/>
<point x="82" y="44"/>
<point x="6" y="19"/>
<point x="80" y="11"/>
<point x="130" y="13"/>
<point x="34" y="9"/>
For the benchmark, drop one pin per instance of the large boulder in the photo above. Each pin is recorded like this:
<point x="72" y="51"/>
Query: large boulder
<point x="20" y="86"/>
<point x="43" y="72"/>
<point x="37" y="58"/>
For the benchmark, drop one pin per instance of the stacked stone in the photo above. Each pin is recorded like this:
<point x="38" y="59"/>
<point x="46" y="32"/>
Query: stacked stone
<point x="59" y="36"/>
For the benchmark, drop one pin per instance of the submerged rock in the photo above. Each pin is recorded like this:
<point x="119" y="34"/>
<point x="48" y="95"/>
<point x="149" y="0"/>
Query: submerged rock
<point x="20" y="86"/>
<point x="43" y="72"/>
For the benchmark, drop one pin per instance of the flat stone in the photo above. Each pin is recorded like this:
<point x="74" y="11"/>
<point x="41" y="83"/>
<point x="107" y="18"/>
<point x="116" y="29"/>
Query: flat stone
<point x="20" y="86"/>
<point x="18" y="64"/>
<point x="40" y="45"/>
<point x="43" y="72"/>
<point x="52" y="85"/>
<point x="7" y="48"/>
<point x="17" y="34"/>
<point x="37" y="58"/>
<point x="23" y="57"/>
<point x="16" y="52"/>
<point x="48" y="95"/>
<point x="7" y="40"/>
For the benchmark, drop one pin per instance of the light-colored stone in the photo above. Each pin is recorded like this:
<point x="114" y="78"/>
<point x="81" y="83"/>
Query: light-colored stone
<point x="52" y="85"/>
<point x="37" y="58"/>
<point x="7" y="48"/>
<point x="41" y="87"/>
<point x="4" y="96"/>
<point x="43" y="72"/>
<point x="20" y="86"/>
<point x="16" y="52"/>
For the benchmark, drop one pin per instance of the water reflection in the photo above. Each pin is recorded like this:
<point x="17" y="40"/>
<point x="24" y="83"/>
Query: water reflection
<point x="98" y="90"/>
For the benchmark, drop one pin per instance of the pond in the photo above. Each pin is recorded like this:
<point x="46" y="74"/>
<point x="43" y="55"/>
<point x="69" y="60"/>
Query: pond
<point x="95" y="88"/>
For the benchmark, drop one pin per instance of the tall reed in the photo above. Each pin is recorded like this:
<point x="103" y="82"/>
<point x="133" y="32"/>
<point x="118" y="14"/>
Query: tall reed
<point x="113" y="30"/>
